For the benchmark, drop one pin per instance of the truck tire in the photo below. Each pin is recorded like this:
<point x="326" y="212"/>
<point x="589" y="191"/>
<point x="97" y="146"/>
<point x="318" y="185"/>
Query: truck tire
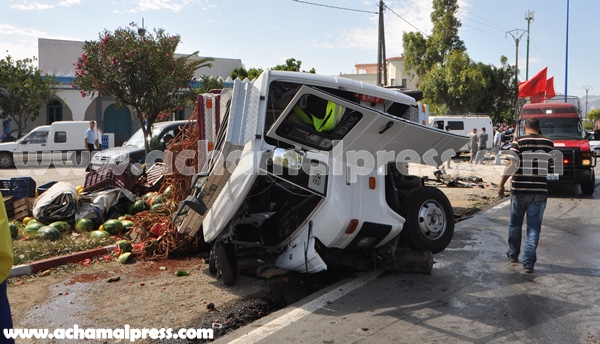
<point x="587" y="187"/>
<point x="6" y="160"/>
<point x="429" y="219"/>
<point x="76" y="158"/>
<point x="212" y="267"/>
<point x="227" y="262"/>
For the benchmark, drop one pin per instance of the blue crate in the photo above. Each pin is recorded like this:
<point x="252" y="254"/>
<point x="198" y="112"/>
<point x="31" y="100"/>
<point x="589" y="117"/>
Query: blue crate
<point x="22" y="187"/>
<point x="42" y="188"/>
<point x="5" y="184"/>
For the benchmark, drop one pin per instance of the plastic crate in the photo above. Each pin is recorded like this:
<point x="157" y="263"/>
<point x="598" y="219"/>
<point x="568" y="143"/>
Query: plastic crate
<point x="22" y="187"/>
<point x="42" y="188"/>
<point x="104" y="177"/>
<point x="5" y="184"/>
<point x="153" y="178"/>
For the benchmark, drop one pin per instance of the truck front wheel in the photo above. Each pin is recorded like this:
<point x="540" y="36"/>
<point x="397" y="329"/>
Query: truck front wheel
<point x="226" y="262"/>
<point x="6" y="160"/>
<point x="429" y="219"/>
<point x="587" y="187"/>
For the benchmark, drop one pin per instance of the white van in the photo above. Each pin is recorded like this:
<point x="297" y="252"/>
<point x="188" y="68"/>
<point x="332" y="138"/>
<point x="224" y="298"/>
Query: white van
<point x="61" y="141"/>
<point x="463" y="125"/>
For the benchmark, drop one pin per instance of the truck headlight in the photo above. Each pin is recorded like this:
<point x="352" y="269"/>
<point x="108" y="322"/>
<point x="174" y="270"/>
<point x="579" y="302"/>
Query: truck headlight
<point x="586" y="162"/>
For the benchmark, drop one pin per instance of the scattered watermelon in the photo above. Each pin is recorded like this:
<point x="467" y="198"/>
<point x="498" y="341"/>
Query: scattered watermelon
<point x="99" y="234"/>
<point x="113" y="226"/>
<point x="27" y="219"/>
<point x="160" y="208"/>
<point x="148" y="195"/>
<point x="168" y="191"/>
<point x="130" y="209"/>
<point x="48" y="233"/>
<point x="14" y="230"/>
<point x="62" y="226"/>
<point x="31" y="229"/>
<point x="124" y="246"/>
<point x="157" y="199"/>
<point x="84" y="225"/>
<point x="124" y="257"/>
<point x="127" y="224"/>
<point x="140" y="205"/>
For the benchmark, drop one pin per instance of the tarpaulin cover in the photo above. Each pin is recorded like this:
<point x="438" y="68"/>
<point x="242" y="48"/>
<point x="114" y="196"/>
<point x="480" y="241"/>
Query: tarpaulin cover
<point x="57" y="203"/>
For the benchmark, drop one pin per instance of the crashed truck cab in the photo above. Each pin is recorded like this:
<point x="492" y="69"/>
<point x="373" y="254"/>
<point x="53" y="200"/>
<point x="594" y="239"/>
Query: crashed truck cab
<point x="312" y="168"/>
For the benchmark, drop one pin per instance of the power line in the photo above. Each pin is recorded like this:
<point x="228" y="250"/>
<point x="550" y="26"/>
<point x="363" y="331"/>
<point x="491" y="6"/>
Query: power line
<point x="474" y="28"/>
<point x="339" y="8"/>
<point x="386" y="6"/>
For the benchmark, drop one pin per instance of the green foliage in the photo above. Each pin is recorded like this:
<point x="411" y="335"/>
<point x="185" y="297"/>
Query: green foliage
<point x="138" y="69"/>
<point x="292" y="65"/>
<point x="209" y="83"/>
<point x="588" y="125"/>
<point x="594" y="115"/>
<point x="23" y="91"/>
<point x="242" y="73"/>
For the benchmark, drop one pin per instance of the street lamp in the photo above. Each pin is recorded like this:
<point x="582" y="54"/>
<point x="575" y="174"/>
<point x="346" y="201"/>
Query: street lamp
<point x="586" y="88"/>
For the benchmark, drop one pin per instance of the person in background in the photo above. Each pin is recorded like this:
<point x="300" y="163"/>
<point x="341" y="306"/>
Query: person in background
<point x="99" y="134"/>
<point x="6" y="263"/>
<point x="497" y="145"/>
<point x="483" y="139"/>
<point x="529" y="192"/>
<point x="473" y="139"/>
<point x="90" y="137"/>
<point x="449" y="160"/>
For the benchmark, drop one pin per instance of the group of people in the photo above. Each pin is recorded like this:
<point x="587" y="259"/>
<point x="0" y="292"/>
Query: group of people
<point x="478" y="143"/>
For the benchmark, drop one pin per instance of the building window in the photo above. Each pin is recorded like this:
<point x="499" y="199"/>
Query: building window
<point x="54" y="112"/>
<point x="404" y="82"/>
<point x="392" y="82"/>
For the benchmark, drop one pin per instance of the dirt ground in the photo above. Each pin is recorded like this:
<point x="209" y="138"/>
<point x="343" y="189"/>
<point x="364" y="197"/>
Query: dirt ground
<point x="148" y="294"/>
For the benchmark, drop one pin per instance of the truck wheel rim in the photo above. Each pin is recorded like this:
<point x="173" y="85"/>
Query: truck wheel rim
<point x="432" y="219"/>
<point x="4" y="161"/>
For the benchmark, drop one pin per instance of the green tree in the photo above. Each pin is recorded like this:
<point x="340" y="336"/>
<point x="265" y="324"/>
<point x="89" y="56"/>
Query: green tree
<point x="23" y="91"/>
<point x="242" y="73"/>
<point x="293" y="65"/>
<point x="422" y="53"/>
<point x="138" y="69"/>
<point x="208" y="83"/>
<point x="594" y="115"/>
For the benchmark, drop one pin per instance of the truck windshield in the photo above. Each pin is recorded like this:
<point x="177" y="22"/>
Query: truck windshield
<point x="558" y="128"/>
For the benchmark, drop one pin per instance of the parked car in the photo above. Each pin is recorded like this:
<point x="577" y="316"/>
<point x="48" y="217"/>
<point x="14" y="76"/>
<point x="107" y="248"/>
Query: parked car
<point x="594" y="138"/>
<point x="134" y="147"/>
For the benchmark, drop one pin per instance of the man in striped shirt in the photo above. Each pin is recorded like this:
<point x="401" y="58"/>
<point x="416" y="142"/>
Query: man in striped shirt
<point x="529" y="191"/>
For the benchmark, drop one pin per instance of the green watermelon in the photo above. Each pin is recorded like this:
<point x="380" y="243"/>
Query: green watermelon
<point x="99" y="234"/>
<point x="84" y="225"/>
<point x="140" y="205"/>
<point x="124" y="257"/>
<point x="48" y="233"/>
<point x="124" y="246"/>
<point x="168" y="191"/>
<point x="130" y="209"/>
<point x="113" y="226"/>
<point x="157" y="199"/>
<point x="127" y="224"/>
<point x="30" y="232"/>
<point x="147" y="196"/>
<point x="14" y="230"/>
<point x="62" y="226"/>
<point x="160" y="208"/>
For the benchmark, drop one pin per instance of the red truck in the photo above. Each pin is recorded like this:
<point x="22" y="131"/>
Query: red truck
<point x="561" y="123"/>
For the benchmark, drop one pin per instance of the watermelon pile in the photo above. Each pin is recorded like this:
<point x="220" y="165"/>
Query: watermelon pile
<point x="84" y="225"/>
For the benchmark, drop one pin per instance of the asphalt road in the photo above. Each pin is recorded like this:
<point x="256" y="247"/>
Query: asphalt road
<point x="43" y="175"/>
<point x="474" y="295"/>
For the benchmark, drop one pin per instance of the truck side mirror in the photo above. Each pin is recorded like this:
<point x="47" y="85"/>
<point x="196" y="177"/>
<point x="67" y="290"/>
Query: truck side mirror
<point x="591" y="137"/>
<point x="25" y="141"/>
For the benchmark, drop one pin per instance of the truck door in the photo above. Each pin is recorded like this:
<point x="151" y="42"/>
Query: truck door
<point x="316" y="120"/>
<point x="32" y="146"/>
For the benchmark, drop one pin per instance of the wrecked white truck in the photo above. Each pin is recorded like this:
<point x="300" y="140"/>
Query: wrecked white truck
<point x="313" y="169"/>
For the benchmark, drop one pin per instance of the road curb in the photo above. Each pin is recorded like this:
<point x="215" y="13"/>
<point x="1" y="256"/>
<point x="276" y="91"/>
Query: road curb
<point x="45" y="264"/>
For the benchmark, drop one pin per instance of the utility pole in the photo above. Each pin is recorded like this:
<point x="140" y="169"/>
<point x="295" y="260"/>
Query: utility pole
<point x="567" y="55"/>
<point x="381" y="58"/>
<point x="517" y="37"/>
<point x="529" y="17"/>
<point x="586" y="88"/>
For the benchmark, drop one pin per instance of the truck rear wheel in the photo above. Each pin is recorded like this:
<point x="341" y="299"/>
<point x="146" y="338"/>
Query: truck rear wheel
<point x="429" y="219"/>
<point x="6" y="160"/>
<point x="587" y="187"/>
<point x="227" y="262"/>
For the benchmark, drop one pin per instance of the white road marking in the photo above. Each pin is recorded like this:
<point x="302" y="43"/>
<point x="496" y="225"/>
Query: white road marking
<point x="298" y="313"/>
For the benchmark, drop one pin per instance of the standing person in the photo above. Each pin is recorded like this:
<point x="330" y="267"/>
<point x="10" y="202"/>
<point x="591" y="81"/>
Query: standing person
<point x="483" y="139"/>
<point x="497" y="145"/>
<point x="529" y="192"/>
<point x="98" y="141"/>
<point x="6" y="262"/>
<point x="473" y="139"/>
<point x="450" y="159"/>
<point x="90" y="141"/>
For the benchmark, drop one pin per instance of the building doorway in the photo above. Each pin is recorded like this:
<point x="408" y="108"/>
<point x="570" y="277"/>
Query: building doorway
<point x="118" y="122"/>
<point x="54" y="111"/>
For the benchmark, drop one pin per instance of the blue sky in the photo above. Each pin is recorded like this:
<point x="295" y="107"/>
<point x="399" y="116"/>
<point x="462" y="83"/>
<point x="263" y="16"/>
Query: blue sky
<point x="264" y="33"/>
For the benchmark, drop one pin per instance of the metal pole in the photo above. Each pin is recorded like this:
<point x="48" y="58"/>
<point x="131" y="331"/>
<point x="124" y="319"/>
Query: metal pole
<point x="586" y="88"/>
<point x="529" y="18"/>
<point x="517" y="39"/>
<point x="380" y="45"/>
<point x="567" y="55"/>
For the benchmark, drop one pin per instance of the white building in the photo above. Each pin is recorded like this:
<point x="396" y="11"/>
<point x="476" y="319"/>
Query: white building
<point x="367" y="72"/>
<point x="58" y="57"/>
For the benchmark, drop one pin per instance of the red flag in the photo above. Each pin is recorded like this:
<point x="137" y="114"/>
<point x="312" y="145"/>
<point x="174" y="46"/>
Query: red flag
<point x="535" y="85"/>
<point x="550" y="88"/>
